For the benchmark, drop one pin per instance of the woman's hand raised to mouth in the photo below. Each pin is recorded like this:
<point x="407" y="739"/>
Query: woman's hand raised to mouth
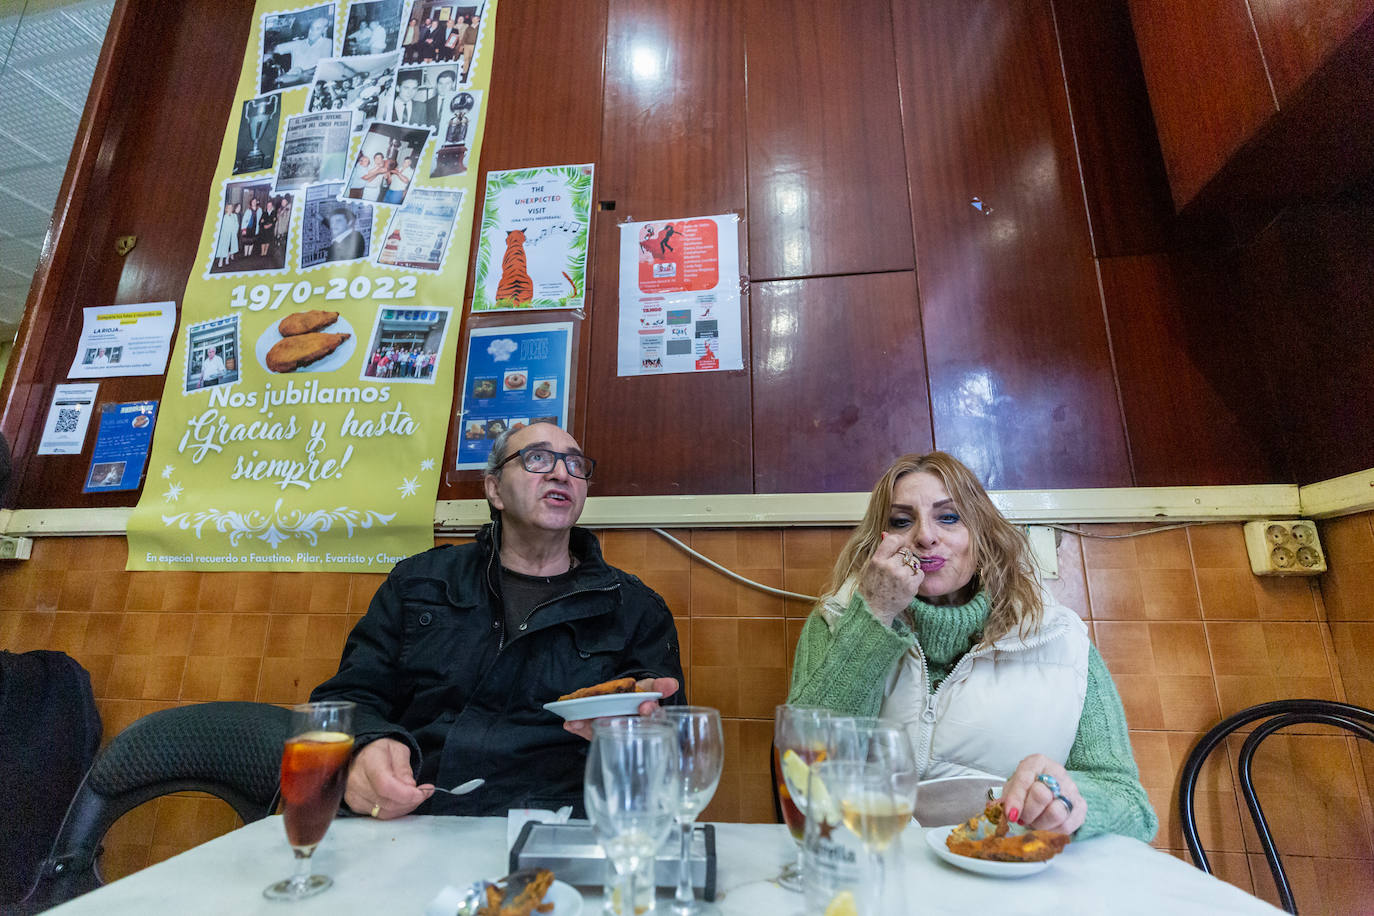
<point x="889" y="581"/>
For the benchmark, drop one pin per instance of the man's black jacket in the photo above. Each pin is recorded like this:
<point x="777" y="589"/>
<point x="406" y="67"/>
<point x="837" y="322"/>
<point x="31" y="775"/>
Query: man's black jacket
<point x="431" y="664"/>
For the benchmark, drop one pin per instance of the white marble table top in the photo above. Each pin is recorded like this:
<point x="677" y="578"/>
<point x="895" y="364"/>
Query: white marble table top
<point x="397" y="867"/>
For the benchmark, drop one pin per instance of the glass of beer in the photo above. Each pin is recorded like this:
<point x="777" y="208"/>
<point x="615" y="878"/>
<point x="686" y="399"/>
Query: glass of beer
<point x="314" y="769"/>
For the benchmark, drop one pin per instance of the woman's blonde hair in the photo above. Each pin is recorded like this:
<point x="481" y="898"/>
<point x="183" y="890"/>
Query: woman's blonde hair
<point x="1001" y="552"/>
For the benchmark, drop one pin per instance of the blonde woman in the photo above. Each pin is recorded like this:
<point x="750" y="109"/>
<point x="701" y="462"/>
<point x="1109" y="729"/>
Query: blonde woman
<point x="934" y="618"/>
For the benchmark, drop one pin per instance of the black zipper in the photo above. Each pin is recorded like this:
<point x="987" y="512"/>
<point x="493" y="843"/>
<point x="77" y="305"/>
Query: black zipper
<point x="501" y="643"/>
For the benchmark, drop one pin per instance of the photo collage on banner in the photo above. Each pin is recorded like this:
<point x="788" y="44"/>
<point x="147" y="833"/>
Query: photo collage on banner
<point x="310" y="384"/>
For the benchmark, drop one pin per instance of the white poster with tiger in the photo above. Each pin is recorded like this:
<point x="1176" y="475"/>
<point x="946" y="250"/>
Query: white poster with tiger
<point x="533" y="250"/>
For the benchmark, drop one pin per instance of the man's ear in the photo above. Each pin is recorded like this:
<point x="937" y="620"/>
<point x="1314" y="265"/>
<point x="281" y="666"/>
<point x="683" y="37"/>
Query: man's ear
<point x="491" y="485"/>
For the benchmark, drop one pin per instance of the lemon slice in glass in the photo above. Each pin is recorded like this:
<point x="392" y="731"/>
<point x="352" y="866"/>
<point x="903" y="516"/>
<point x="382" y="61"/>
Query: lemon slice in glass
<point x="842" y="905"/>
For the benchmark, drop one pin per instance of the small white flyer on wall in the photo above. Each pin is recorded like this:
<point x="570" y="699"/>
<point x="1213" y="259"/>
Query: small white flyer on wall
<point x="68" y="417"/>
<point x="124" y="340"/>
<point x="679" y="296"/>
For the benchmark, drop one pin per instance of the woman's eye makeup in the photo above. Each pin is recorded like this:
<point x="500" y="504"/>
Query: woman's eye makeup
<point x="949" y="518"/>
<point x="898" y="522"/>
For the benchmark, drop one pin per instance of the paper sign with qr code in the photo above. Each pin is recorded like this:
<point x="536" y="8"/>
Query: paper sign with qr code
<point x="70" y="414"/>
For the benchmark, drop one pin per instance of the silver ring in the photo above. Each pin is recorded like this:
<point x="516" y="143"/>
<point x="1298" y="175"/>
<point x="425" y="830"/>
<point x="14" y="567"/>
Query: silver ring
<point x="1053" y="785"/>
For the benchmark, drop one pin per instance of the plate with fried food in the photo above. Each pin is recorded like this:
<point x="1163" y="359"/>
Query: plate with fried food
<point x="988" y="844"/>
<point x="523" y="893"/>
<point x="618" y="697"/>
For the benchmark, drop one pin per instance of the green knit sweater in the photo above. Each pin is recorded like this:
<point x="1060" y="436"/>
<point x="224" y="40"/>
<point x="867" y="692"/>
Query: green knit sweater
<point x="846" y="670"/>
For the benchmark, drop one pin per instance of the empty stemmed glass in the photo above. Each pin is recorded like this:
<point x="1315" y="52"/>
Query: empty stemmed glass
<point x="631" y="793"/>
<point x="799" y="739"/>
<point x="314" y="771"/>
<point x="701" y="747"/>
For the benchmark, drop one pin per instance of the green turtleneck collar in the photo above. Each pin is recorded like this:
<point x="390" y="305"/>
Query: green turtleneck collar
<point x="946" y="632"/>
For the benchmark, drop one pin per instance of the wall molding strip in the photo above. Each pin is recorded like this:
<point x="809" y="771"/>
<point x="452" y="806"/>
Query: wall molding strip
<point x="1126" y="504"/>
<point x="1338" y="496"/>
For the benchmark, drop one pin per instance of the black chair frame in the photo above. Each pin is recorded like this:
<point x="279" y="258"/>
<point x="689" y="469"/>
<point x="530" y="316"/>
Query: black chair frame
<point x="231" y="750"/>
<point x="1280" y="714"/>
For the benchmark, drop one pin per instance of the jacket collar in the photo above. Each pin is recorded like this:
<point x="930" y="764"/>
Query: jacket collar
<point x="591" y="571"/>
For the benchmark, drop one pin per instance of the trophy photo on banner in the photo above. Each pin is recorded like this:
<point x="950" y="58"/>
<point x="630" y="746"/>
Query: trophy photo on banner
<point x="452" y="155"/>
<point x="258" y="114"/>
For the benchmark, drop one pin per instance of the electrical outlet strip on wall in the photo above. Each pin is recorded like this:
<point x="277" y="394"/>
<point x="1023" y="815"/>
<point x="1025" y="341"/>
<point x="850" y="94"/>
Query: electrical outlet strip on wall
<point x="15" y="548"/>
<point x="1286" y="548"/>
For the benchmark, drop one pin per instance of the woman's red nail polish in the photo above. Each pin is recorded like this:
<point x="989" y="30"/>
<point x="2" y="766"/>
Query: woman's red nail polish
<point x="1014" y="815"/>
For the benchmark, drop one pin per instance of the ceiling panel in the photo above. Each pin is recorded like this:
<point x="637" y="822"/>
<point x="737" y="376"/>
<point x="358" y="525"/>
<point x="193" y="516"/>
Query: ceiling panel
<point x="11" y="280"/>
<point x="93" y="17"/>
<point x="36" y="117"/>
<point x="18" y="255"/>
<point x="22" y="218"/>
<point x="25" y="151"/>
<point x="44" y="36"/>
<point x="47" y="59"/>
<point x="36" y="184"/>
<point x="69" y="79"/>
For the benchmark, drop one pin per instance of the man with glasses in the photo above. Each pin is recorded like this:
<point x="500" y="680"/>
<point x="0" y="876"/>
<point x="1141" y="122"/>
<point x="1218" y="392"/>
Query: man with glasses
<point x="462" y="645"/>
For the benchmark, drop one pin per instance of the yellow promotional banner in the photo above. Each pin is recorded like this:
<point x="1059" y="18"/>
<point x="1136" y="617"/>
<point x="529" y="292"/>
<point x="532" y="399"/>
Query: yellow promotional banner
<point x="308" y="396"/>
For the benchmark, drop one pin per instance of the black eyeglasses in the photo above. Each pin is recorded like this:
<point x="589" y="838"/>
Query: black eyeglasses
<point x="539" y="460"/>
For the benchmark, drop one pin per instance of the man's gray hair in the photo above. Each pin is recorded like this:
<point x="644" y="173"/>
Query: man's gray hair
<point x="498" y="453"/>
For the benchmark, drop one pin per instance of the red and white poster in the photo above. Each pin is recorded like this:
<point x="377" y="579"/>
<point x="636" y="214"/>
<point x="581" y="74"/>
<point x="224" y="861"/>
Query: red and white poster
<point x="679" y="296"/>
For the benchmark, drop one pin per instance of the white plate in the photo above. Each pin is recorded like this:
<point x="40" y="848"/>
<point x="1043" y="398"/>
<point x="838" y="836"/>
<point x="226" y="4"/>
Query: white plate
<point x="949" y="798"/>
<point x="935" y="836"/>
<point x="566" y="899"/>
<point x="614" y="704"/>
<point x="331" y="362"/>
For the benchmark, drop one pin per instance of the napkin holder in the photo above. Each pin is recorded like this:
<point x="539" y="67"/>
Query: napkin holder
<point x="573" y="853"/>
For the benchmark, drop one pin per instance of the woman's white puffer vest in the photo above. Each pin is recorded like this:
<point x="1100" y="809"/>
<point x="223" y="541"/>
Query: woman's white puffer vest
<point x="1000" y="703"/>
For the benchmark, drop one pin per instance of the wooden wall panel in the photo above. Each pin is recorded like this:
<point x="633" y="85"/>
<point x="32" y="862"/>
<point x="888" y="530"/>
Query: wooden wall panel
<point x="1184" y="430"/>
<point x="1016" y="347"/>
<point x="1298" y="35"/>
<point x="1124" y="181"/>
<point x="839" y="381"/>
<point x="826" y="168"/>
<point x="673" y="145"/>
<point x="1311" y="283"/>
<point x="1033" y="107"/>
<point x="535" y="118"/>
<point x="150" y="180"/>
<point x="1208" y="85"/>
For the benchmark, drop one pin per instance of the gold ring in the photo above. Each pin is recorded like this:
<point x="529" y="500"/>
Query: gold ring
<point x="376" y="809"/>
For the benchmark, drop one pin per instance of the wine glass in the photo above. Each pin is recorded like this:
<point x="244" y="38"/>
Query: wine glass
<point x="864" y="739"/>
<point x="314" y="771"/>
<point x="875" y="801"/>
<point x="701" y="749"/>
<point x="631" y="793"/>
<point x="799" y="739"/>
